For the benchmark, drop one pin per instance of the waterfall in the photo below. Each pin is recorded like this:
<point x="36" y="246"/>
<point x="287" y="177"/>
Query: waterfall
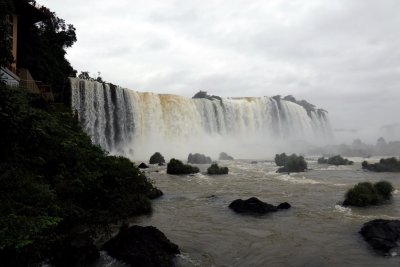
<point x="136" y="124"/>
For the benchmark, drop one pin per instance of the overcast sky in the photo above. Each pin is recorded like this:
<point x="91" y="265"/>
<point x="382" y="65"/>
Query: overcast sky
<point x="342" y="55"/>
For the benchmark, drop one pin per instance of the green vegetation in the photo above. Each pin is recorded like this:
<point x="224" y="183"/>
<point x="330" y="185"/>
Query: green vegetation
<point x="6" y="57"/>
<point x="54" y="181"/>
<point x="335" y="160"/>
<point x="177" y="167"/>
<point x="215" y="169"/>
<point x="157" y="158"/>
<point x="384" y="165"/>
<point x="280" y="160"/>
<point x="292" y="163"/>
<point x="364" y="194"/>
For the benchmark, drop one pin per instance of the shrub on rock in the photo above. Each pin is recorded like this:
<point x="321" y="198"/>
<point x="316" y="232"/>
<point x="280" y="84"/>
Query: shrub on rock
<point x="157" y="158"/>
<point x="364" y="194"/>
<point x="177" y="167"/>
<point x="335" y="160"/>
<point x="293" y="163"/>
<point x="199" y="159"/>
<point x="215" y="169"/>
<point x="224" y="156"/>
<point x="384" y="165"/>
<point x="280" y="160"/>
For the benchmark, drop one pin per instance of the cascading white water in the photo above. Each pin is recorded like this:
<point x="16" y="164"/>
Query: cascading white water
<point x="136" y="124"/>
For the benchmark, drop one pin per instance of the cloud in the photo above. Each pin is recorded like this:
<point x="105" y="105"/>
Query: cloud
<point x="340" y="55"/>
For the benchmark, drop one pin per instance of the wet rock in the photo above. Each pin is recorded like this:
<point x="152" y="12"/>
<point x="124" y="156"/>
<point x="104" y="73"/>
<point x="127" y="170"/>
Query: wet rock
<point x="76" y="250"/>
<point x="284" y="206"/>
<point x="177" y="167"/>
<point x="155" y="193"/>
<point x="142" y="247"/>
<point x="252" y="205"/>
<point x="382" y="235"/>
<point x="143" y="166"/>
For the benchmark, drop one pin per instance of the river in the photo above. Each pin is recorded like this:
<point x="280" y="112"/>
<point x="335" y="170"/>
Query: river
<point x="316" y="231"/>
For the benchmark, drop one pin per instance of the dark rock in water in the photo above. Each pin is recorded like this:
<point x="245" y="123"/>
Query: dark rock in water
<point x="214" y="169"/>
<point x="254" y="162"/>
<point x="382" y="235"/>
<point x="177" y="167"/>
<point x="203" y="94"/>
<point x="252" y="205"/>
<point x="199" y="159"/>
<point x="76" y="250"/>
<point x="157" y="158"/>
<point x="284" y="206"/>
<point x="155" y="193"/>
<point x="142" y="247"/>
<point x="224" y="156"/>
<point x="384" y="165"/>
<point x="142" y="166"/>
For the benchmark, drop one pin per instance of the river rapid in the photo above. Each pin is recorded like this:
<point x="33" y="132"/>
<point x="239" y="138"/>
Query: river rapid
<point x="316" y="231"/>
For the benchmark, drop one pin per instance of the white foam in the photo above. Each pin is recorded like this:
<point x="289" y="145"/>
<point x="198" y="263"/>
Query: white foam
<point x="341" y="209"/>
<point x="297" y="180"/>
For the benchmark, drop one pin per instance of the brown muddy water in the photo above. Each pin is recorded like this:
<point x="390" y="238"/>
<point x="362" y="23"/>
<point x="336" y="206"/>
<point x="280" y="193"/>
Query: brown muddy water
<point x="316" y="231"/>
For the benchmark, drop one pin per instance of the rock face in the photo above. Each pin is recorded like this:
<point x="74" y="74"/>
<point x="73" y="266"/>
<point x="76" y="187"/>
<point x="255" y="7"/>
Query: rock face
<point x="157" y="158"/>
<point x="143" y="166"/>
<point x="224" y="156"/>
<point x="255" y="206"/>
<point x="284" y="206"/>
<point x="214" y="169"/>
<point x="199" y="159"/>
<point x="382" y="235"/>
<point x="142" y="247"/>
<point x="177" y="167"/>
<point x="77" y="250"/>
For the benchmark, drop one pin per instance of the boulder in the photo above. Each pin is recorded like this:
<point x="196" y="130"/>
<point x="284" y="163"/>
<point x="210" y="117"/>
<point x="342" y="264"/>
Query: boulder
<point x="224" y="156"/>
<point x="252" y="205"/>
<point x="199" y="159"/>
<point x="382" y="235"/>
<point x="76" y="250"/>
<point x="284" y="206"/>
<point x="155" y="193"/>
<point x="384" y="165"/>
<point x="143" y="166"/>
<point x="142" y="247"/>
<point x="177" y="167"/>
<point x="157" y="158"/>
<point x="292" y="163"/>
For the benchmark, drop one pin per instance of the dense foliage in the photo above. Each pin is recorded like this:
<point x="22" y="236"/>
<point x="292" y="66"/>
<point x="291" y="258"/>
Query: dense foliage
<point x="43" y="51"/>
<point x="197" y="158"/>
<point x="292" y="163"/>
<point x="157" y="158"/>
<point x="364" y="194"/>
<point x="335" y="160"/>
<point x="215" y="169"/>
<point x="384" y="165"/>
<point x="280" y="159"/>
<point x="6" y="57"/>
<point x="54" y="181"/>
<point x="175" y="166"/>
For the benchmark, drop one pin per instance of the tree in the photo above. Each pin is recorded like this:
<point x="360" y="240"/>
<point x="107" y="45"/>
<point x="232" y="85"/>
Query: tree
<point x="6" y="57"/>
